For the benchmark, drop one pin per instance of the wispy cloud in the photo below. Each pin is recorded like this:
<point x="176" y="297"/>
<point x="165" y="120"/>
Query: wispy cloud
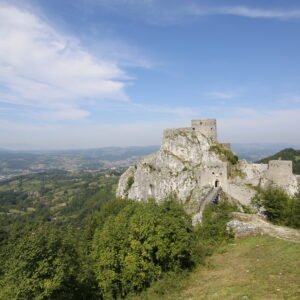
<point x="244" y="11"/>
<point x="170" y="12"/>
<point x="47" y="69"/>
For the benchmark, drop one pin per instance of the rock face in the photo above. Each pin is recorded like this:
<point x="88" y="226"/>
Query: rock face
<point x="242" y="229"/>
<point x="249" y="225"/>
<point x="181" y="168"/>
<point x="190" y="163"/>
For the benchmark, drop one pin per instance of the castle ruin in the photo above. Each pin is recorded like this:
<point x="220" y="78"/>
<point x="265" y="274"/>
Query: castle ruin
<point x="193" y="166"/>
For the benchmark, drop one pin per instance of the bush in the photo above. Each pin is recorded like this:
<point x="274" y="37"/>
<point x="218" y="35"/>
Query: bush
<point x="279" y="207"/>
<point x="212" y="233"/>
<point x="130" y="182"/>
<point x="139" y="245"/>
<point x="295" y="212"/>
<point x="42" y="265"/>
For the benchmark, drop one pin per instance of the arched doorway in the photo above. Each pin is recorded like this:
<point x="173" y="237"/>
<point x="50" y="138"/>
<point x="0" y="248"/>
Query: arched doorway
<point x="217" y="183"/>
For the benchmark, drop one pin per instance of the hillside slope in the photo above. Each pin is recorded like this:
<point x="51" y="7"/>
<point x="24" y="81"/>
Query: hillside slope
<point x="251" y="268"/>
<point x="286" y="154"/>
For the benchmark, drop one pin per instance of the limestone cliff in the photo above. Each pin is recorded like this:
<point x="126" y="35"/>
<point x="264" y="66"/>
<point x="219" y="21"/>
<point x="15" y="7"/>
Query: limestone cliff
<point x="175" y="170"/>
<point x="190" y="163"/>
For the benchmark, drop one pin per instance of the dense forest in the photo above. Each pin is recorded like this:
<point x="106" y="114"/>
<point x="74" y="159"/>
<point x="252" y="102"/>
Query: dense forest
<point x="286" y="154"/>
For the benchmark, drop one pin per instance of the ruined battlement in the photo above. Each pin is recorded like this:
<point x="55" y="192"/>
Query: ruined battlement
<point x="280" y="166"/>
<point x="280" y="172"/>
<point x="175" y="131"/>
<point x="207" y="127"/>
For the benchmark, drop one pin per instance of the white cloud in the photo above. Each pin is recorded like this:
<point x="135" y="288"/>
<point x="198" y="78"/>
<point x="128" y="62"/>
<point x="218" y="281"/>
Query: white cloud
<point x="44" y="68"/>
<point x="169" y="12"/>
<point x="244" y="11"/>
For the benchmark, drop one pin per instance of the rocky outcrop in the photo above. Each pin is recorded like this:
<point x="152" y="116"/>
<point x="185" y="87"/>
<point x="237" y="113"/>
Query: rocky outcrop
<point x="249" y="224"/>
<point x="177" y="169"/>
<point x="191" y="162"/>
<point x="242" y="229"/>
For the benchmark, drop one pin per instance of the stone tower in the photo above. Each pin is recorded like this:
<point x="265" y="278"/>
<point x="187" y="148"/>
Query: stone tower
<point x="208" y="127"/>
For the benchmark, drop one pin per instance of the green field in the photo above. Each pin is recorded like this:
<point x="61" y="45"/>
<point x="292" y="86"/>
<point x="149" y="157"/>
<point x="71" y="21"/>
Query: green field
<point x="251" y="268"/>
<point x="56" y="195"/>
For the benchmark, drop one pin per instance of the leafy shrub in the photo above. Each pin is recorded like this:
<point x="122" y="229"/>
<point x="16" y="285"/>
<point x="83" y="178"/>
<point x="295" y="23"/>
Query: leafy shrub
<point x="130" y="182"/>
<point x="213" y="232"/>
<point x="208" y="237"/>
<point x="42" y="265"/>
<point x="135" y="247"/>
<point x="295" y="211"/>
<point x="279" y="207"/>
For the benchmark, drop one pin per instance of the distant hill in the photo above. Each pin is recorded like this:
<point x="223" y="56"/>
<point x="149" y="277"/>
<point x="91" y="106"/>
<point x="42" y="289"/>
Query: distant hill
<point x="23" y="162"/>
<point x="286" y="154"/>
<point x="256" y="151"/>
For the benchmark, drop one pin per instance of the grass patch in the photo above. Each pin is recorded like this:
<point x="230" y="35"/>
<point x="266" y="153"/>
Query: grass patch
<point x="253" y="268"/>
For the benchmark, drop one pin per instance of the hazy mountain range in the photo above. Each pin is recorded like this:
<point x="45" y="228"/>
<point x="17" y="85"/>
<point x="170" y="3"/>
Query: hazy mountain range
<point x="14" y="162"/>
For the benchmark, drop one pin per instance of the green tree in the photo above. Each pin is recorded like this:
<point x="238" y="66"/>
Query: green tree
<point x="277" y="204"/>
<point x="295" y="211"/>
<point x="42" y="265"/>
<point x="139" y="244"/>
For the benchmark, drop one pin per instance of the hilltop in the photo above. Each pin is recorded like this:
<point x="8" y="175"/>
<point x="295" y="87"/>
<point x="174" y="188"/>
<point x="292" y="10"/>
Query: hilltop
<point x="286" y="154"/>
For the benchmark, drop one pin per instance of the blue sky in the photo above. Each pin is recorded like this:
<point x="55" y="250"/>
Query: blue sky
<point x="92" y="73"/>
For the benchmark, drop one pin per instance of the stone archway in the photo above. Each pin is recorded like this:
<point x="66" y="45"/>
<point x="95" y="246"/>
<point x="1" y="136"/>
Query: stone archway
<point x="217" y="183"/>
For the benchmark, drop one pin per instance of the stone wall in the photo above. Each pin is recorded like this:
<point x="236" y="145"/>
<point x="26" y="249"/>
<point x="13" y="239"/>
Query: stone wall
<point x="208" y="127"/>
<point x="280" y="173"/>
<point x="279" y="170"/>
<point x="214" y="175"/>
<point x="240" y="192"/>
<point x="173" y="132"/>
